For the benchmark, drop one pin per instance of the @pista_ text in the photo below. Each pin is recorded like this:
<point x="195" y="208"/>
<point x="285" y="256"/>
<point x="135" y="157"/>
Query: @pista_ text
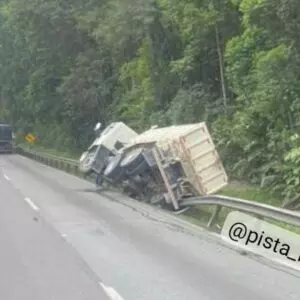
<point x="240" y="232"/>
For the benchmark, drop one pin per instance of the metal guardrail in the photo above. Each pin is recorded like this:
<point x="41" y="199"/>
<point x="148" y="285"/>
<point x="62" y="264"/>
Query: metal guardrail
<point x="67" y="164"/>
<point x="258" y="209"/>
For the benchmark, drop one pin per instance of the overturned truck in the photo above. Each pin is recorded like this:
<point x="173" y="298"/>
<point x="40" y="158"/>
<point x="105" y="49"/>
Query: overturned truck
<point x="161" y="165"/>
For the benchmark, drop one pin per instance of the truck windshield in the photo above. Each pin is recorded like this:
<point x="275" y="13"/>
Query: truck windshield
<point x="5" y="132"/>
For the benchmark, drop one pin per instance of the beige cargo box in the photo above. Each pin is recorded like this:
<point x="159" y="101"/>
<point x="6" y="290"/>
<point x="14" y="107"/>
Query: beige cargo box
<point x="193" y="146"/>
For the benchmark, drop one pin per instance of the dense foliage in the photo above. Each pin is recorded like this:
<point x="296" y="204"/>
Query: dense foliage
<point x="66" y="64"/>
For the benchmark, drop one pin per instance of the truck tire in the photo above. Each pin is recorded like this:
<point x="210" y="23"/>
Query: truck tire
<point x="86" y="163"/>
<point x="132" y="159"/>
<point x="114" y="171"/>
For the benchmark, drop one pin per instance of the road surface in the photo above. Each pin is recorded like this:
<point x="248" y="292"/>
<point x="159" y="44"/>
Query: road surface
<point x="62" y="240"/>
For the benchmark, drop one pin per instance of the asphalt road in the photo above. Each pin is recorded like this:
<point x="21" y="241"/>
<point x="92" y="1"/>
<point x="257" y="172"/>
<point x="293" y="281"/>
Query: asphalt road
<point x="61" y="240"/>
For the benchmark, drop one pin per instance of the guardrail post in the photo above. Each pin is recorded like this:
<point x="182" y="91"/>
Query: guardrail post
<point x="214" y="216"/>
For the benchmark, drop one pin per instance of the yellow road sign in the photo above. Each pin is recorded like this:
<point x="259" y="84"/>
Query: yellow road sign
<point x="30" y="138"/>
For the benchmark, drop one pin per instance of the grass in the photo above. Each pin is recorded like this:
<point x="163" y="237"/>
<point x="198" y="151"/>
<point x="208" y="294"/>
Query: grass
<point x="253" y="193"/>
<point x="201" y="214"/>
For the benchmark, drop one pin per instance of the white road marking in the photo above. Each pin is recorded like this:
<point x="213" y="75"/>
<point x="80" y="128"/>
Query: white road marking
<point x="6" y="177"/>
<point x="64" y="235"/>
<point x="33" y="206"/>
<point x="111" y="293"/>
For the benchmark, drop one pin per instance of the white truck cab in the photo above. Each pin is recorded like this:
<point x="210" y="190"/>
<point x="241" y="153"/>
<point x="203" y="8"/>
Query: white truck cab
<point x="107" y="143"/>
<point x="113" y="133"/>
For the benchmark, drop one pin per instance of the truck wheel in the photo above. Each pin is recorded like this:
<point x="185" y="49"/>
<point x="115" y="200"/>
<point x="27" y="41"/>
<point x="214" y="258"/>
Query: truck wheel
<point x="113" y="170"/>
<point x="86" y="162"/>
<point x="132" y="159"/>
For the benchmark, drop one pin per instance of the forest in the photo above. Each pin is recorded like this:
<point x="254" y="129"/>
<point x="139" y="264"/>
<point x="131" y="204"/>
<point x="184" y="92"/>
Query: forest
<point x="67" y="64"/>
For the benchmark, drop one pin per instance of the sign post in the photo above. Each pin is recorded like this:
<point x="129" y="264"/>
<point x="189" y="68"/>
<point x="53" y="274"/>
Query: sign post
<point x="30" y="138"/>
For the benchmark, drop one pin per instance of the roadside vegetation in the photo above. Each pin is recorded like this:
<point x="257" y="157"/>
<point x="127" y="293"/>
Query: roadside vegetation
<point x="235" y="64"/>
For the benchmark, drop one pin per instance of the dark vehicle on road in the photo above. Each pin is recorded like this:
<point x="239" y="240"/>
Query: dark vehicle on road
<point x="6" y="138"/>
